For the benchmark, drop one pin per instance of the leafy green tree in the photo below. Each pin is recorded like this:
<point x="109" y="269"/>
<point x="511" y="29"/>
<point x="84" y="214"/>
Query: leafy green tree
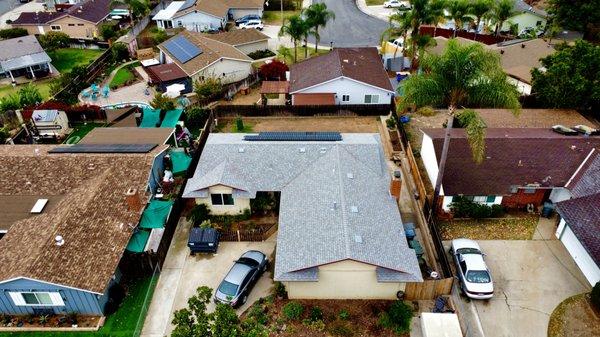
<point x="500" y="13"/>
<point x="119" y="52"/>
<point x="225" y="322"/>
<point x="208" y="88"/>
<point x="108" y="31"/>
<point x="295" y="28"/>
<point x="571" y="78"/>
<point x="580" y="15"/>
<point x="10" y="102"/>
<point x="29" y="95"/>
<point x="317" y="16"/>
<point x="163" y="102"/>
<point x="480" y="9"/>
<point x="137" y="8"/>
<point x="458" y="11"/>
<point x="399" y="26"/>
<point x="422" y="12"/>
<point x="193" y="321"/>
<point x="54" y="40"/>
<point x="479" y="82"/>
<point x="11" y="33"/>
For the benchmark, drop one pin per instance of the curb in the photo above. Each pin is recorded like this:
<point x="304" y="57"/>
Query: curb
<point x="362" y="6"/>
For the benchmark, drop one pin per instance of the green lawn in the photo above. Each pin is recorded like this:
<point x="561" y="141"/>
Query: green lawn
<point x="120" y="324"/>
<point x="301" y="50"/>
<point x="274" y="17"/>
<point x="80" y="130"/>
<point x="122" y="76"/>
<point x="375" y="2"/>
<point x="42" y="85"/>
<point x="67" y="58"/>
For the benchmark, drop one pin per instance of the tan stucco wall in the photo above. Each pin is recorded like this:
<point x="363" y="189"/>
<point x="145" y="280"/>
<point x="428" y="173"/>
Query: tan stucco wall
<point x="86" y="31"/>
<point x="239" y="204"/>
<point x="344" y="280"/>
<point x="234" y="71"/>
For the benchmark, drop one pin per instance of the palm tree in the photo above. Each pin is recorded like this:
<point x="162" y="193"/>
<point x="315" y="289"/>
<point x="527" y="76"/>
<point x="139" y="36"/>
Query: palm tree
<point x="479" y="82"/>
<point x="437" y="15"/>
<point x="317" y="16"/>
<point x="294" y="27"/>
<point x="399" y="26"/>
<point x="421" y="12"/>
<point x="501" y="11"/>
<point x="458" y="11"/>
<point x="421" y="44"/>
<point x="135" y="7"/>
<point x="479" y="9"/>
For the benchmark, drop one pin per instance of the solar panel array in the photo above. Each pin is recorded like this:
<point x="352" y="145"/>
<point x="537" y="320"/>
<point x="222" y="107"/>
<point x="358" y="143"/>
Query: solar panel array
<point x="104" y="148"/>
<point x="182" y="49"/>
<point x="187" y="4"/>
<point x="295" y="136"/>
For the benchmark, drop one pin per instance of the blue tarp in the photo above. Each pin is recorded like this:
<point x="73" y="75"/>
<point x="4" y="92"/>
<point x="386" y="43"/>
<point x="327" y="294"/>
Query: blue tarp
<point x="171" y="118"/>
<point x="150" y="118"/>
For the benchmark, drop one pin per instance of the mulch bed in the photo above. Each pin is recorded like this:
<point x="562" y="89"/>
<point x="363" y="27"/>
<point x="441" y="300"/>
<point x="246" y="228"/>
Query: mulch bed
<point x="575" y="316"/>
<point x="510" y="228"/>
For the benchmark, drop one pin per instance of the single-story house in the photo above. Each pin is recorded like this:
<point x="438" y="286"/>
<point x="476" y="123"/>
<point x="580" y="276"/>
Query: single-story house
<point x="23" y="56"/>
<point x="353" y="76"/>
<point x="340" y="232"/>
<point x="526" y="16"/>
<point x="579" y="226"/>
<point x="164" y="75"/>
<point x="203" y="15"/>
<point x="80" y="21"/>
<point x="522" y="165"/>
<point x="201" y="57"/>
<point x="76" y="211"/>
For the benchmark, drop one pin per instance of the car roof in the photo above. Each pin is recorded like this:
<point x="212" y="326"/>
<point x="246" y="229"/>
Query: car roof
<point x="254" y="255"/>
<point x="465" y="243"/>
<point x="237" y="273"/>
<point x="474" y="261"/>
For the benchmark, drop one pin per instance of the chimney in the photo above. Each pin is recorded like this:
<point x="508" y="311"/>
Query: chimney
<point x="395" y="186"/>
<point x="132" y="198"/>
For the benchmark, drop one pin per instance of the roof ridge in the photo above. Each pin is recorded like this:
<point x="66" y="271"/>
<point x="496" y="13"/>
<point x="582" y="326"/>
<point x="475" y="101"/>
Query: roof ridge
<point x="342" y="202"/>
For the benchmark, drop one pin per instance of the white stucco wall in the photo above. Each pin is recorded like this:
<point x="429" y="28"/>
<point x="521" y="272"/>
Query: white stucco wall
<point x="227" y="70"/>
<point x="356" y="91"/>
<point x="581" y="257"/>
<point x="429" y="159"/>
<point x="345" y="280"/>
<point x="522" y="87"/>
<point x="239" y="12"/>
<point x="198" y="21"/>
<point x="252" y="47"/>
<point x="559" y="194"/>
<point x="524" y="20"/>
<point x="239" y="204"/>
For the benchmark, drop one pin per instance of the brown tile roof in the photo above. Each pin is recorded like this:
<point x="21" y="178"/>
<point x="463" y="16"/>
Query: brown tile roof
<point x="518" y="59"/>
<point x="90" y="10"/>
<point x="361" y="64"/>
<point x="515" y="157"/>
<point x="582" y="215"/>
<point x="441" y="43"/>
<point x="220" y="8"/>
<point x="165" y="72"/>
<point x="238" y="37"/>
<point x="212" y="51"/>
<point x="128" y="135"/>
<point x="91" y="216"/>
<point x="275" y="87"/>
<point x="532" y="118"/>
<point x="314" y="99"/>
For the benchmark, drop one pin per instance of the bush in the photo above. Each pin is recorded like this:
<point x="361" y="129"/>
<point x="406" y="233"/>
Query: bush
<point x="595" y="295"/>
<point x="293" y="310"/>
<point x="261" y="54"/>
<point x="11" y="33"/>
<point x="239" y="124"/>
<point x="258" y="313"/>
<point x="463" y="207"/>
<point x="426" y="111"/>
<point x="397" y="318"/>
<point x="279" y="290"/>
<point x="209" y="88"/>
<point x="341" y="328"/>
<point x="54" y="40"/>
<point x="162" y="102"/>
<point x="199" y="214"/>
<point x="274" y="70"/>
<point x="344" y="315"/>
<point x="316" y="314"/>
<point x="197" y="115"/>
<point x="119" y="52"/>
<point x="108" y="31"/>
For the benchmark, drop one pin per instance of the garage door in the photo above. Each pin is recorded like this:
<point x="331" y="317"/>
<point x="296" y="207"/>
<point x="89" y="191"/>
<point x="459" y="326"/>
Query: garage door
<point x="581" y="256"/>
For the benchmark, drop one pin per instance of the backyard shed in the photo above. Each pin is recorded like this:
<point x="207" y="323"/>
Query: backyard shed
<point x="51" y="123"/>
<point x="164" y="75"/>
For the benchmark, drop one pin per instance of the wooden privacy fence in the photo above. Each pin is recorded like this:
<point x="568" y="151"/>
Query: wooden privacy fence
<point x="259" y="234"/>
<point x="303" y="110"/>
<point x="414" y="169"/>
<point x="428" y="289"/>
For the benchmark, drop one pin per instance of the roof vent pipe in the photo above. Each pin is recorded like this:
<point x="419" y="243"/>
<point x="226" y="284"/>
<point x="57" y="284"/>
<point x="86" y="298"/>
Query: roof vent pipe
<point x="59" y="241"/>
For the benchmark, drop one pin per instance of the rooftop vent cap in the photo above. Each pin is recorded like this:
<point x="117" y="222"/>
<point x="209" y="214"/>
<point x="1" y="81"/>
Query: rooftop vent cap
<point x="241" y="150"/>
<point x="302" y="150"/>
<point x="353" y="209"/>
<point x="323" y="150"/>
<point x="58" y="240"/>
<point x="39" y="205"/>
<point x="358" y="239"/>
<point x="350" y="175"/>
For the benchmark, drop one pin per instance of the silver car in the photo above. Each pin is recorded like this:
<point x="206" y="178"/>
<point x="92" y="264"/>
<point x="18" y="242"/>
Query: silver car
<point x="473" y="274"/>
<point x="240" y="279"/>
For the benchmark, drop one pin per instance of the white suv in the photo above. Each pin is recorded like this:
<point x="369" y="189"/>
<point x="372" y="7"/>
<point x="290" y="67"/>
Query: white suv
<point x="252" y="24"/>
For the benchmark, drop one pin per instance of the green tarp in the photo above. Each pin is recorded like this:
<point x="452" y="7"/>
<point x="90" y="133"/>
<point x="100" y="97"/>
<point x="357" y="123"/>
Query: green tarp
<point x="150" y="118"/>
<point x="138" y="241"/>
<point x="181" y="161"/>
<point x="155" y="215"/>
<point x="171" y="118"/>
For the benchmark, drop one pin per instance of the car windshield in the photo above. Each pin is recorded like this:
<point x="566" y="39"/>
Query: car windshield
<point x="478" y="276"/>
<point x="228" y="288"/>
<point x="467" y="251"/>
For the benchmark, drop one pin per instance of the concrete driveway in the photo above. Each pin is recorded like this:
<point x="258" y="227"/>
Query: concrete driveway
<point x="530" y="278"/>
<point x="351" y="27"/>
<point x="182" y="274"/>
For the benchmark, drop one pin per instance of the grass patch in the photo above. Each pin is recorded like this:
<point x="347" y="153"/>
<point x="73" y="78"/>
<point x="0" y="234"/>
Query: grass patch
<point x="574" y="317"/>
<point x="229" y="126"/>
<point x="520" y="228"/>
<point x="122" y="77"/>
<point x="275" y="17"/>
<point x="375" y="2"/>
<point x="120" y="324"/>
<point x="65" y="59"/>
<point x="80" y="130"/>
<point x="42" y="85"/>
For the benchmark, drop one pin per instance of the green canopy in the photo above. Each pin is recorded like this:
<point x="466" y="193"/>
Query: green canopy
<point x="171" y="118"/>
<point x="155" y="215"/>
<point x="150" y="118"/>
<point x="181" y="161"/>
<point x="138" y="241"/>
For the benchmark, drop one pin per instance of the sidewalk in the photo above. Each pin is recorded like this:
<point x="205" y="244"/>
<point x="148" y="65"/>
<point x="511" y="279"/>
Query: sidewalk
<point x="375" y="11"/>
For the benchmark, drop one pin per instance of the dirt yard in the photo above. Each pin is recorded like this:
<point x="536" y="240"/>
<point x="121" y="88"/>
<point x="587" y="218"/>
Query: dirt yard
<point x="419" y="122"/>
<point x="339" y="124"/>
<point x="574" y="317"/>
<point x="513" y="228"/>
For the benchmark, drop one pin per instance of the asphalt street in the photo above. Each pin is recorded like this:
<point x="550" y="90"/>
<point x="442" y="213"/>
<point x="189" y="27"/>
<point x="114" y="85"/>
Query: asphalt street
<point x="351" y="27"/>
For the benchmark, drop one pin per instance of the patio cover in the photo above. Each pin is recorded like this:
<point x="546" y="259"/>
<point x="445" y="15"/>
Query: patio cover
<point x="25" y="61"/>
<point x="181" y="161"/>
<point x="275" y="87"/>
<point x="155" y="215"/>
<point x="150" y="118"/>
<point x="138" y="241"/>
<point x="171" y="118"/>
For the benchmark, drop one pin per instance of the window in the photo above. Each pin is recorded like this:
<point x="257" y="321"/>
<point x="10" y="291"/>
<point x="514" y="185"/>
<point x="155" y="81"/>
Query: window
<point x="371" y="99"/>
<point x="491" y="198"/>
<point x="345" y="98"/>
<point x="71" y="24"/>
<point x="221" y="199"/>
<point x="80" y="24"/>
<point x="55" y="28"/>
<point x="179" y="24"/>
<point x="479" y="198"/>
<point x="529" y="190"/>
<point x="37" y="298"/>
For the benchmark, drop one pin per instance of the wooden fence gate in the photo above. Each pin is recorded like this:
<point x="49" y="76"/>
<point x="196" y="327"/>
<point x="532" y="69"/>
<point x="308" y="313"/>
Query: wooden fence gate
<point x="428" y="289"/>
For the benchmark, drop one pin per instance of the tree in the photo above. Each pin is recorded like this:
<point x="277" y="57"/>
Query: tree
<point x="479" y="9"/>
<point x="479" y="82"/>
<point x="274" y="70"/>
<point x="108" y="31"/>
<point x="136" y="8"/>
<point x="317" y="15"/>
<point x="208" y="88"/>
<point x="54" y="40"/>
<point x="399" y="26"/>
<point x="193" y="321"/>
<point x="225" y="322"/>
<point x="422" y="42"/>
<point x="570" y="78"/>
<point x="458" y="11"/>
<point x="580" y="15"/>
<point x="422" y="12"/>
<point x="501" y="11"/>
<point x="162" y="102"/>
<point x="29" y="95"/>
<point x="295" y="28"/>
<point x="11" y="33"/>
<point x="119" y="52"/>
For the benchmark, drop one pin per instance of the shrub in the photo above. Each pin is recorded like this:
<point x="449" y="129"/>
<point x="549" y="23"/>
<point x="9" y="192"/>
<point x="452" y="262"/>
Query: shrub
<point x="260" y="54"/>
<point x="258" y="313"/>
<point x="197" y="115"/>
<point x="239" y="124"/>
<point x="497" y="211"/>
<point x="316" y="314"/>
<point x="426" y="111"/>
<point x="317" y="325"/>
<point x="279" y="290"/>
<point x="397" y="318"/>
<point x="119" y="52"/>
<point x="199" y="214"/>
<point x="274" y="70"/>
<point x="108" y="31"/>
<point x="595" y="295"/>
<point x="11" y="33"/>
<point x="344" y="315"/>
<point x="163" y="102"/>
<point x="209" y="88"/>
<point x="206" y="224"/>
<point x="29" y="95"/>
<point x="54" y="40"/>
<point x="463" y="207"/>
<point x="391" y="122"/>
<point x="341" y="328"/>
<point x="293" y="310"/>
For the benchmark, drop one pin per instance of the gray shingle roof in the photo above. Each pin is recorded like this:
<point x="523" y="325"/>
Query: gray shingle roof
<point x="21" y="52"/>
<point x="316" y="222"/>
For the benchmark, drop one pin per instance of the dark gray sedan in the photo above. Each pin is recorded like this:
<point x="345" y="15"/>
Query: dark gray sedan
<point x="240" y="279"/>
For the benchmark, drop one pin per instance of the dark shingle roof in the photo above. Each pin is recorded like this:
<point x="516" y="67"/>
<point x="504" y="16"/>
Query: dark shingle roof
<point x="165" y="72"/>
<point x="361" y="64"/>
<point x="583" y="217"/>
<point x="515" y="157"/>
<point x="90" y="10"/>
<point x="587" y="180"/>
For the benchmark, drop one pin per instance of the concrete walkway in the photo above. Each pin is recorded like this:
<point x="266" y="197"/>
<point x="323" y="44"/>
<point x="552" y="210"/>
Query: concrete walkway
<point x="135" y="93"/>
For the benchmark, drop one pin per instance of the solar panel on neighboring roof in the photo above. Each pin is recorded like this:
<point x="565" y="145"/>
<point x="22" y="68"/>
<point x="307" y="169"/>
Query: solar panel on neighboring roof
<point x="182" y="49"/>
<point x="187" y="4"/>
<point x="104" y="148"/>
<point x="295" y="136"/>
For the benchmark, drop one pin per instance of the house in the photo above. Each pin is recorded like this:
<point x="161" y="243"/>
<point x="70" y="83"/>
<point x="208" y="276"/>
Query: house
<point x="353" y="76"/>
<point x="164" y="75"/>
<point x="526" y="16"/>
<point x="205" y="15"/>
<point x="245" y="40"/>
<point x="579" y="226"/>
<point x="23" y="56"/>
<point x="522" y="165"/>
<point x="202" y="57"/>
<point x="77" y="208"/>
<point x="340" y="233"/>
<point x="80" y="21"/>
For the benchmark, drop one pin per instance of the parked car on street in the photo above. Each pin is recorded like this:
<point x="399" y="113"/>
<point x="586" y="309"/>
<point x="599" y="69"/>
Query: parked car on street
<point x="241" y="278"/>
<point x="396" y="4"/>
<point x="257" y="24"/>
<point x="473" y="274"/>
<point x="246" y="18"/>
